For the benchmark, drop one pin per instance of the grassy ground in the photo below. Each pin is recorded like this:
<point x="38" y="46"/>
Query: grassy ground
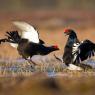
<point x="50" y="77"/>
<point x="47" y="64"/>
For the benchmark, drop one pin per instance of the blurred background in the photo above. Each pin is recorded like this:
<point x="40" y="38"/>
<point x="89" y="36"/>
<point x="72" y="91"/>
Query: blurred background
<point x="50" y="17"/>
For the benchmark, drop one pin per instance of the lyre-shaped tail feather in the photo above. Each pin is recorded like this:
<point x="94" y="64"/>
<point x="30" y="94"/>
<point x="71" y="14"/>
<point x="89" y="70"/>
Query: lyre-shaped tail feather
<point x="13" y="36"/>
<point x="4" y="40"/>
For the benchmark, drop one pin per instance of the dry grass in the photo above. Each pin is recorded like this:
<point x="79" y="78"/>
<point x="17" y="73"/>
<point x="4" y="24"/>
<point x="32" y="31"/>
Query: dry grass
<point x="49" y="65"/>
<point x="24" y="68"/>
<point x="49" y="77"/>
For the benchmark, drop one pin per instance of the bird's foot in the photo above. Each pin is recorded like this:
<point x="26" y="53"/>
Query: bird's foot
<point x="31" y="62"/>
<point x="32" y="68"/>
<point x="33" y="65"/>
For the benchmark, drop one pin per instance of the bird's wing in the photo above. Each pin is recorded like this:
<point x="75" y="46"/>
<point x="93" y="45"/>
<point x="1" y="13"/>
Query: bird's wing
<point x="28" y="31"/>
<point x="85" y="50"/>
<point x="75" y="51"/>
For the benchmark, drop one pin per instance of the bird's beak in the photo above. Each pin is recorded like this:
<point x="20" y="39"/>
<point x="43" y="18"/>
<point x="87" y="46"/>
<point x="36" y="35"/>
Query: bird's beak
<point x="58" y="49"/>
<point x="65" y="34"/>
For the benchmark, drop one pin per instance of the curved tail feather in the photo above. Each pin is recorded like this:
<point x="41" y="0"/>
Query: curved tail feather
<point x="12" y="37"/>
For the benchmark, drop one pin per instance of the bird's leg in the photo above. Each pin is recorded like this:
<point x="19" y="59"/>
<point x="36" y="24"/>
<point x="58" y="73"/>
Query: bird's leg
<point x="31" y="61"/>
<point x="31" y="65"/>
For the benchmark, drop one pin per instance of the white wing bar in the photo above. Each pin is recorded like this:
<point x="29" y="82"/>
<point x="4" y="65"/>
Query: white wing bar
<point x="28" y="31"/>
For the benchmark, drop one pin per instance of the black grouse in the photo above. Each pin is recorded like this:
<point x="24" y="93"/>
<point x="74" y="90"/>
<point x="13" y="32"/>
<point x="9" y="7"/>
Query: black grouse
<point x="28" y="43"/>
<point x="75" y="51"/>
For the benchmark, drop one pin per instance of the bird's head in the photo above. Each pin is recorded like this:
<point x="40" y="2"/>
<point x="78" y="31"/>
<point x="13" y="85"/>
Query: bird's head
<point x="69" y="31"/>
<point x="55" y="47"/>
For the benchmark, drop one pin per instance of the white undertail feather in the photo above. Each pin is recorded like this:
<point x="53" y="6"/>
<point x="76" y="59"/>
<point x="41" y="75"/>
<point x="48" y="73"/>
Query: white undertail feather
<point x="28" y="31"/>
<point x="74" y="67"/>
<point x="14" y="45"/>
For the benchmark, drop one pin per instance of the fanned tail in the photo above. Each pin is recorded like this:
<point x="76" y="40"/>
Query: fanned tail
<point x="13" y="36"/>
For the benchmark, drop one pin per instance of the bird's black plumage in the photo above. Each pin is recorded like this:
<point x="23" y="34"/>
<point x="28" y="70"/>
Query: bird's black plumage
<point x="67" y="56"/>
<point x="76" y="51"/>
<point x="29" y="49"/>
<point x="85" y="50"/>
<point x="26" y="48"/>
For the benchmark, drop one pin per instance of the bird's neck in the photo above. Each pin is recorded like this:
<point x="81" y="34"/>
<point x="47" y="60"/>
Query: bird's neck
<point x="46" y="50"/>
<point x="72" y="39"/>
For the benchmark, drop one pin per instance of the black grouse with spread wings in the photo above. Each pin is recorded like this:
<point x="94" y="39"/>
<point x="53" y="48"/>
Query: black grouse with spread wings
<point x="28" y="43"/>
<point x="75" y="51"/>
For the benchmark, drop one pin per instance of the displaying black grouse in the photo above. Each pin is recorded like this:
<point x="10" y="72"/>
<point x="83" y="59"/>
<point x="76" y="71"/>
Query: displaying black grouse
<point x="28" y="43"/>
<point x="75" y="51"/>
